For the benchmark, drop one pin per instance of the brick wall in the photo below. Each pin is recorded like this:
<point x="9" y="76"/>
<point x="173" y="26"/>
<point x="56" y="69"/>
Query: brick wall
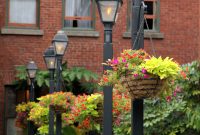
<point x="179" y="22"/>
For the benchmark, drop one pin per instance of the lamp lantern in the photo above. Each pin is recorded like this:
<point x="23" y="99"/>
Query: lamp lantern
<point x="60" y="42"/>
<point x="31" y="69"/>
<point x="50" y="58"/>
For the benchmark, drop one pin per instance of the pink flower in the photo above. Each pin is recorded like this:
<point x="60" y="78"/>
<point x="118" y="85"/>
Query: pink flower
<point x="178" y="89"/>
<point x="124" y="60"/>
<point x="115" y="61"/>
<point x="168" y="98"/>
<point x="117" y="122"/>
<point x="135" y="75"/>
<point x="175" y="93"/>
<point x="144" y="71"/>
<point x="146" y="76"/>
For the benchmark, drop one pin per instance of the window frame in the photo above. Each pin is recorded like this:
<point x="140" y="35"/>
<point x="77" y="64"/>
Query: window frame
<point x="156" y="21"/>
<point x="23" y="25"/>
<point x="93" y="15"/>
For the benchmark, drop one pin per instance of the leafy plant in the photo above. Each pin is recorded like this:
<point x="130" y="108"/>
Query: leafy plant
<point x="76" y="78"/>
<point x="22" y="113"/>
<point x="164" y="68"/>
<point x="61" y="99"/>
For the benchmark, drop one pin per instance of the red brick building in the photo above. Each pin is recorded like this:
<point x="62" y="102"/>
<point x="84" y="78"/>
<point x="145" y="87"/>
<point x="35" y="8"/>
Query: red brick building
<point x="28" y="28"/>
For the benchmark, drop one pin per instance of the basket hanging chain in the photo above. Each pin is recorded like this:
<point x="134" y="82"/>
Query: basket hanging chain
<point x="144" y="20"/>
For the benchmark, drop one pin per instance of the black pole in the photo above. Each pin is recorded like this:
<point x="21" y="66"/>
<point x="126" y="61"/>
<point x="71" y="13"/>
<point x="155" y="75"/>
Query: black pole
<point x="51" y="112"/>
<point x="107" y="54"/>
<point x="32" y="97"/>
<point x="58" y="75"/>
<point x="58" y="124"/>
<point x="32" y="92"/>
<point x="58" y="88"/>
<point x="137" y="110"/>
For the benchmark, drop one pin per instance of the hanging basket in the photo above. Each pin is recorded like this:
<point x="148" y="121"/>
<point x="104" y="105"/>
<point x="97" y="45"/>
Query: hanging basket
<point x="58" y="109"/>
<point x="99" y="119"/>
<point x="99" y="109"/>
<point x="142" y="88"/>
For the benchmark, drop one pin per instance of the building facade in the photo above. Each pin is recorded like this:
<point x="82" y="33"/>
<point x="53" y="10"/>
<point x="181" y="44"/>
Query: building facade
<point x="28" y="27"/>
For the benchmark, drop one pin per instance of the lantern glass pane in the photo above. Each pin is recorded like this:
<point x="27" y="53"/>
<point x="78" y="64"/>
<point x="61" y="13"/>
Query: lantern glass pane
<point x="60" y="47"/>
<point x="32" y="73"/>
<point x="50" y="62"/>
<point x="108" y="10"/>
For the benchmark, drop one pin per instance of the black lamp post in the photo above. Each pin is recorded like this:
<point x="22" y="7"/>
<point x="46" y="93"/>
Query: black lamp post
<point x="31" y="70"/>
<point x="60" y="42"/>
<point x="137" y="33"/>
<point x="108" y="11"/>
<point x="50" y="60"/>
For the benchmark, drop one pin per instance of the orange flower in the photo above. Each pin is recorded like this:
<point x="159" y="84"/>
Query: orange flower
<point x="187" y="69"/>
<point x="183" y="74"/>
<point x="105" y="79"/>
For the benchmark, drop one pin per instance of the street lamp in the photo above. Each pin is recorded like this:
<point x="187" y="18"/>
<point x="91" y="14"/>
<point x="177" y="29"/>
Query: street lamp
<point x="60" y="43"/>
<point x="50" y="60"/>
<point x="31" y="69"/>
<point x="108" y="11"/>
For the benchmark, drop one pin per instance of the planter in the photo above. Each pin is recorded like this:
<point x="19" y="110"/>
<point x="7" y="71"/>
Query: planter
<point x="99" y="119"/>
<point x="142" y="88"/>
<point x="99" y="109"/>
<point x="58" y="109"/>
<point x="21" y="131"/>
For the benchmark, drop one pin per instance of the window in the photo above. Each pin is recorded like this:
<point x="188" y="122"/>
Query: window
<point x="152" y="15"/>
<point x="22" y="13"/>
<point x="79" y="14"/>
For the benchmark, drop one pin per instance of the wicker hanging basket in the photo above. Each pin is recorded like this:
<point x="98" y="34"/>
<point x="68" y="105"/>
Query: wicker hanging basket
<point x="99" y="119"/>
<point x="99" y="109"/>
<point x="142" y="88"/>
<point x="58" y="109"/>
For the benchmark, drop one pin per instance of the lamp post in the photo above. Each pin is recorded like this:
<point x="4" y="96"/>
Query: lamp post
<point x="50" y="61"/>
<point x="137" y="33"/>
<point x="108" y="11"/>
<point x="60" y="42"/>
<point x="31" y="70"/>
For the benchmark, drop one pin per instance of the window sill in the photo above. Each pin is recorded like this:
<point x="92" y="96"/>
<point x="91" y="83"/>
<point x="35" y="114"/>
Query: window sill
<point x="83" y="33"/>
<point x="147" y="34"/>
<point x="20" y="31"/>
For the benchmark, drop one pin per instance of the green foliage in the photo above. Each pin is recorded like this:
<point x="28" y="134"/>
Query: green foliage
<point x="163" y="117"/>
<point x="125" y="125"/>
<point x="39" y="115"/>
<point x="80" y="79"/>
<point x="43" y="130"/>
<point x="78" y="73"/>
<point x="76" y="78"/>
<point x="191" y="88"/>
<point x="42" y="78"/>
<point x="21" y="72"/>
<point x="181" y="114"/>
<point x="164" y="68"/>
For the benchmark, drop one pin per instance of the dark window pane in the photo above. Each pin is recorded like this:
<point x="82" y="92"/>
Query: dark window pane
<point x="150" y="24"/>
<point x="149" y="7"/>
<point x="78" y="23"/>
